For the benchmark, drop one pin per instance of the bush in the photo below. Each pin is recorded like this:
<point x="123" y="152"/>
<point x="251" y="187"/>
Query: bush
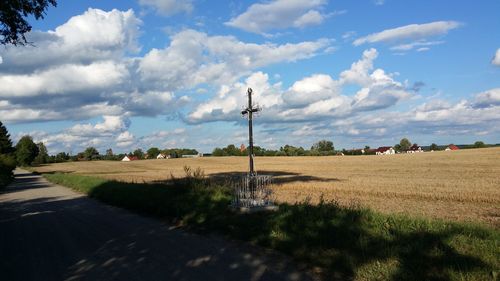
<point x="7" y="165"/>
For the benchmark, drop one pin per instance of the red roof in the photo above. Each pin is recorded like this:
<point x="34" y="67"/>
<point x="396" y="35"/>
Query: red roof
<point x="383" y="149"/>
<point x="453" y="147"/>
<point x="131" y="158"/>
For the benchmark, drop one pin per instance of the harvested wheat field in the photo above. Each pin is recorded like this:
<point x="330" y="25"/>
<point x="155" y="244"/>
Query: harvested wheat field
<point x="458" y="185"/>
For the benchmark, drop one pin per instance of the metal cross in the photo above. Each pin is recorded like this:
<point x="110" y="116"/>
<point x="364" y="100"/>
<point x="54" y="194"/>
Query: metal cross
<point x="249" y="111"/>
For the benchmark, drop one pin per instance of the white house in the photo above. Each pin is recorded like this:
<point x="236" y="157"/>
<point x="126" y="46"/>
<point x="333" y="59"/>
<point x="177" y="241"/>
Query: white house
<point x="414" y="149"/>
<point x="162" y="156"/>
<point x="129" y="158"/>
<point x="384" y="150"/>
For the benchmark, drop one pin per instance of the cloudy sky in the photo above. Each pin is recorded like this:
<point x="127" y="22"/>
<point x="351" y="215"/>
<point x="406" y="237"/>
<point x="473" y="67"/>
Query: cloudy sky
<point x="173" y="73"/>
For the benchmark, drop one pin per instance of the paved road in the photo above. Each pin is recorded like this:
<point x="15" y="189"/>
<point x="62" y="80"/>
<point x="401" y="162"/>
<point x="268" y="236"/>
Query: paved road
<point x="49" y="232"/>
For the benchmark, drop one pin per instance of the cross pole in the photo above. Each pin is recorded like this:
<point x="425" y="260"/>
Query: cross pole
<point x="249" y="112"/>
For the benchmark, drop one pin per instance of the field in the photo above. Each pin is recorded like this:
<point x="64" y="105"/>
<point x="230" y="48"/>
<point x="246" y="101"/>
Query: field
<point x="457" y="185"/>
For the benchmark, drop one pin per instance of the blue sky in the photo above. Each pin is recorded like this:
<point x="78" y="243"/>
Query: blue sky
<point x="173" y="73"/>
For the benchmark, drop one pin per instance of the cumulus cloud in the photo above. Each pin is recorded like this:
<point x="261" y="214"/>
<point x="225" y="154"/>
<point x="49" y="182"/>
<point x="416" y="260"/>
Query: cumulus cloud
<point x="94" y="35"/>
<point x="194" y="58"/>
<point x="490" y="98"/>
<point x="65" y="79"/>
<point x="111" y="125"/>
<point x="315" y="97"/>
<point x="125" y="139"/>
<point x="168" y="7"/>
<point x="85" y="64"/>
<point x="279" y="14"/>
<point x="409" y="32"/>
<point x="496" y="58"/>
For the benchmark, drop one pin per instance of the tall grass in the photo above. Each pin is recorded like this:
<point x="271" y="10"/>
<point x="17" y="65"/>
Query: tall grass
<point x="344" y="243"/>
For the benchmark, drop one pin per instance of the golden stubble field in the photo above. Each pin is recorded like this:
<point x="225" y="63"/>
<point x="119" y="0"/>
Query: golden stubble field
<point x="458" y="185"/>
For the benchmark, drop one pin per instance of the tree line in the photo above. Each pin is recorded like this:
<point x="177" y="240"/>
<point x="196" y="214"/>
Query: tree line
<point x="322" y="147"/>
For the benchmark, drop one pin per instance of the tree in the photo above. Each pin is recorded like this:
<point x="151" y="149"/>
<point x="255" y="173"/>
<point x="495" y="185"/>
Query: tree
<point x="323" y="146"/>
<point x="5" y="142"/>
<point x="397" y="147"/>
<point x="109" y="152"/>
<point x="218" y="152"/>
<point x="479" y="144"/>
<point x="405" y="144"/>
<point x="7" y="159"/>
<point x="90" y="153"/>
<point x="13" y="25"/>
<point x="61" y="157"/>
<point x="43" y="156"/>
<point x="293" y="151"/>
<point x="138" y="153"/>
<point x="153" y="152"/>
<point x="434" y="147"/>
<point x="26" y="151"/>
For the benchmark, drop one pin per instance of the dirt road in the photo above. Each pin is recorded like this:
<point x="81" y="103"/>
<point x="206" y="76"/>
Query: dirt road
<point x="49" y="232"/>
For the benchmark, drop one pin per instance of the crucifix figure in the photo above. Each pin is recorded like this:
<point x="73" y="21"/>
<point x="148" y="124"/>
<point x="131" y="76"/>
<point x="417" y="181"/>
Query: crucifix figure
<point x="249" y="111"/>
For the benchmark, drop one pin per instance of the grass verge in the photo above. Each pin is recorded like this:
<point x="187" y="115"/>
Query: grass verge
<point x="345" y="243"/>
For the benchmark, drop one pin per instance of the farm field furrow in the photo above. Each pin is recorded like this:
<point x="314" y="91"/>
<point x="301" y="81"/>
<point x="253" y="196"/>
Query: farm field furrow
<point x="457" y="185"/>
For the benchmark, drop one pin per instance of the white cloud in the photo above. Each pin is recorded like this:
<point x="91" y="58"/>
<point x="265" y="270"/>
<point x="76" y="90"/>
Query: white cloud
<point x="194" y="58"/>
<point x="63" y="80"/>
<point x="125" y="140"/>
<point x="488" y="98"/>
<point x="412" y="45"/>
<point x="312" y="98"/>
<point x="94" y="35"/>
<point x="358" y="73"/>
<point x="168" y="7"/>
<point x="84" y="64"/>
<point x="279" y="14"/>
<point x="496" y="58"/>
<point x="226" y="104"/>
<point x="409" y="32"/>
<point x="315" y="88"/>
<point x="111" y="125"/>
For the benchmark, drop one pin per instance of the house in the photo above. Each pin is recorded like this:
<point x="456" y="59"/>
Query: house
<point x="162" y="156"/>
<point x="129" y="158"/>
<point x="414" y="149"/>
<point x="383" y="150"/>
<point x="452" y="147"/>
<point x="192" y="155"/>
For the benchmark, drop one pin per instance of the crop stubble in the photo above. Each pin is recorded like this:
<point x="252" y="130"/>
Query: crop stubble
<point x="458" y="185"/>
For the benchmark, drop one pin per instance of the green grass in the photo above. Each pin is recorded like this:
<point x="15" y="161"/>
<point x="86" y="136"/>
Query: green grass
<point x="345" y="243"/>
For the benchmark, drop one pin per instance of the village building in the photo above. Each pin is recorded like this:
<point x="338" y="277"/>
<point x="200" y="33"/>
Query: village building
<point x="129" y="158"/>
<point x="385" y="150"/>
<point x="452" y="147"/>
<point x="414" y="149"/>
<point x="162" y="156"/>
<point x="192" y="155"/>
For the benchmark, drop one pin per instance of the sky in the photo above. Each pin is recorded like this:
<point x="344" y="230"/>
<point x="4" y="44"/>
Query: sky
<point x="174" y="73"/>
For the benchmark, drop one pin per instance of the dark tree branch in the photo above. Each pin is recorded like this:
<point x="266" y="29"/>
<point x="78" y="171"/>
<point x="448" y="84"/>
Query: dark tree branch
<point x="13" y="25"/>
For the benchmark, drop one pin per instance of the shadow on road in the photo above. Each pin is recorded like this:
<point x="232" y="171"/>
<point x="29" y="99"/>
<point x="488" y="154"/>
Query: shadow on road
<point x="61" y="238"/>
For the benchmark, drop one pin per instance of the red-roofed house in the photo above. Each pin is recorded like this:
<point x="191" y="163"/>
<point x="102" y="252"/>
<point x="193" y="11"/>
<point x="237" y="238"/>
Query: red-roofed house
<point x="452" y="147"/>
<point x="383" y="150"/>
<point x="414" y="149"/>
<point x="129" y="158"/>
